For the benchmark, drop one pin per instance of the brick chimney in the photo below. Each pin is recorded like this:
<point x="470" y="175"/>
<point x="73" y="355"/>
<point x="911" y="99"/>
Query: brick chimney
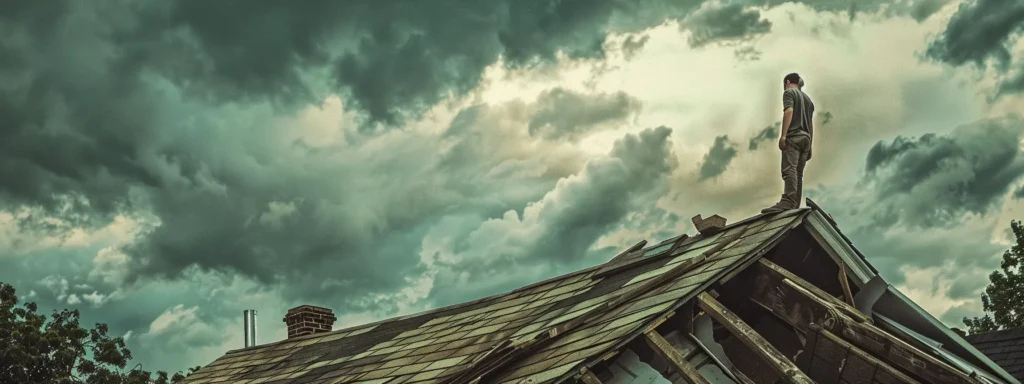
<point x="308" y="319"/>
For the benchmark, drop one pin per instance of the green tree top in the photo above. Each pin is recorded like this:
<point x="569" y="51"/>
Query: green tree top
<point x="1003" y="299"/>
<point x="34" y="350"/>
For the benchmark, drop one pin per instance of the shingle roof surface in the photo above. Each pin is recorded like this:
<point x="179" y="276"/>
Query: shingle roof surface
<point x="433" y="346"/>
<point x="1005" y="348"/>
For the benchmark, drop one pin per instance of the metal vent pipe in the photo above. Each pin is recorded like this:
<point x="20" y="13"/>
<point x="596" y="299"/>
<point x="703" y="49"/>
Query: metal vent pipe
<point x="249" y="322"/>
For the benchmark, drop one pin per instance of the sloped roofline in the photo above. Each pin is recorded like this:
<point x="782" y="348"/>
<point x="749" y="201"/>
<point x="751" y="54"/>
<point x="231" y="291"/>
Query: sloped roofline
<point x="490" y="297"/>
<point x="750" y="258"/>
<point x="418" y="314"/>
<point x="826" y="231"/>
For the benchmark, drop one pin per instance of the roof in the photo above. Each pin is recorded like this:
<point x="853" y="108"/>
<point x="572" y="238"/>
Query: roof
<point x="558" y="328"/>
<point x="436" y="345"/>
<point x="1005" y="348"/>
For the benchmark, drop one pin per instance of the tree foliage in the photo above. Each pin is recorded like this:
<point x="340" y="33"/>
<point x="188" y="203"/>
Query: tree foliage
<point x="1003" y="299"/>
<point x="34" y="349"/>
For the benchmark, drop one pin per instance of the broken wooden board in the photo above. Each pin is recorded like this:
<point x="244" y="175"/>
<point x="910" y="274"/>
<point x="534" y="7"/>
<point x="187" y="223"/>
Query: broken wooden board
<point x="782" y="365"/>
<point x="773" y="274"/>
<point x="829" y="359"/>
<point x="798" y="306"/>
<point x="675" y="359"/>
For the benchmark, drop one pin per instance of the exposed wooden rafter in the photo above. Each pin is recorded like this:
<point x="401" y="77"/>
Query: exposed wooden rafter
<point x="757" y="344"/>
<point x="842" y="357"/>
<point x="774" y="272"/>
<point x="675" y="359"/>
<point x="789" y="298"/>
<point x="845" y="283"/>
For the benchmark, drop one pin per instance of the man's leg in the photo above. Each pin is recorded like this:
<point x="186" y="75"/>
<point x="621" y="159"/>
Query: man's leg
<point x="790" y="160"/>
<point x="805" y="150"/>
<point x="791" y="166"/>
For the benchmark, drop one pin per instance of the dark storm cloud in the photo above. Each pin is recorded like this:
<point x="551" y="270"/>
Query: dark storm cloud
<point x="167" y="109"/>
<point x="554" y="235"/>
<point x="566" y="114"/>
<point x="397" y="58"/>
<point x="922" y="9"/>
<point x="717" y="22"/>
<point x="718" y="158"/>
<point x="575" y="218"/>
<point x="933" y="180"/>
<point x="967" y="288"/>
<point x="982" y="31"/>
<point x="1014" y="83"/>
<point x="767" y="134"/>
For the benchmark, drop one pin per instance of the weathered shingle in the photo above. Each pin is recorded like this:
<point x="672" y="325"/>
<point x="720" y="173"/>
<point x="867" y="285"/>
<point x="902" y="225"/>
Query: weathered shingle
<point x="435" y="345"/>
<point x="1005" y="348"/>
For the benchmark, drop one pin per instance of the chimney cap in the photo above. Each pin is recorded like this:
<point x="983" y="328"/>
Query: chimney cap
<point x="310" y="308"/>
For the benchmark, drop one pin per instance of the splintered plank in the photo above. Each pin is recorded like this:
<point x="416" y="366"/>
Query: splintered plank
<point x="845" y="283"/>
<point x="774" y="272"/>
<point x="775" y="359"/>
<point x="789" y="300"/>
<point x="830" y="359"/>
<point x="675" y="359"/>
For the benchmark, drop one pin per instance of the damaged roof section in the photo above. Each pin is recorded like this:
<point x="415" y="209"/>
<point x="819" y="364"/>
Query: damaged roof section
<point x="762" y="300"/>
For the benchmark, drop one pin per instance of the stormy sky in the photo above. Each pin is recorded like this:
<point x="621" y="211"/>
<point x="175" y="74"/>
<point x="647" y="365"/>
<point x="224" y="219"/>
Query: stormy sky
<point x="166" y="165"/>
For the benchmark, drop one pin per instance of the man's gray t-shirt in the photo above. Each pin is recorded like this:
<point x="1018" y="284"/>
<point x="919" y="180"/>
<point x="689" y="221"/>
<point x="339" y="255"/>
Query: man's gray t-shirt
<point x="803" y="112"/>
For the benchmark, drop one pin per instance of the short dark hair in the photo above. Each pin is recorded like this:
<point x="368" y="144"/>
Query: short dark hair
<point x="793" y="78"/>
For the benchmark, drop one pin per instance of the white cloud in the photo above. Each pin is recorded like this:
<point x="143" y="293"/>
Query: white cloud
<point x="16" y="240"/>
<point x="58" y="285"/>
<point x="176" y="317"/>
<point x="95" y="298"/>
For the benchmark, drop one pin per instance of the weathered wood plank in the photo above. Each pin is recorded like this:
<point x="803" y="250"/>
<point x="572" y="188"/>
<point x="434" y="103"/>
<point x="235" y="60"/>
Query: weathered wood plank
<point x="896" y="374"/>
<point x="782" y="365"/>
<point x="791" y="302"/>
<point x="773" y="272"/>
<point x="845" y="283"/>
<point x="675" y="359"/>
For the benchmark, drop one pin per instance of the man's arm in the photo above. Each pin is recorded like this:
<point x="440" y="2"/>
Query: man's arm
<point x="787" y="116"/>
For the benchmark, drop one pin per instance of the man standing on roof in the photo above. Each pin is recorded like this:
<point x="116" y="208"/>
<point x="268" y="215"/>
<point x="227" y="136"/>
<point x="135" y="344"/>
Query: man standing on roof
<point x="794" y="141"/>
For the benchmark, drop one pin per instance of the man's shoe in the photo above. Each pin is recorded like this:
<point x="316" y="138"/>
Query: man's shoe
<point x="778" y="207"/>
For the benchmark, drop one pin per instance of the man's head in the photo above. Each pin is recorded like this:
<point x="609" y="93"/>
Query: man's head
<point x="792" y="80"/>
